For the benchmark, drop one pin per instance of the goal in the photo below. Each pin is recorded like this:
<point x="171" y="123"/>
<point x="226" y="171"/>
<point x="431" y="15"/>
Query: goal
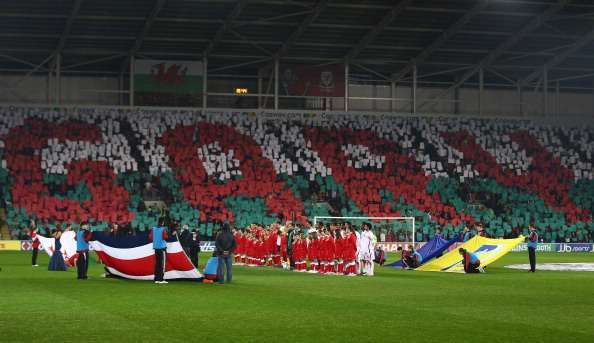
<point x="409" y="220"/>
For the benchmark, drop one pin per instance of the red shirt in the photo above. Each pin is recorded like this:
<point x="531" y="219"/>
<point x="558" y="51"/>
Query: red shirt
<point x="35" y="240"/>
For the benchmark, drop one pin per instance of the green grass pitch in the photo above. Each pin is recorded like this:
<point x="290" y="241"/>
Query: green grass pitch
<point x="266" y="305"/>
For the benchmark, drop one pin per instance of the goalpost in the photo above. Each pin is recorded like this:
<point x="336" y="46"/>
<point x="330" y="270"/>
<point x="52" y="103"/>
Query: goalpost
<point x="411" y="219"/>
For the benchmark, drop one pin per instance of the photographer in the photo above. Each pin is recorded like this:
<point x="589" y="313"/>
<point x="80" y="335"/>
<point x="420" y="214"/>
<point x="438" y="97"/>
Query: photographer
<point x="224" y="247"/>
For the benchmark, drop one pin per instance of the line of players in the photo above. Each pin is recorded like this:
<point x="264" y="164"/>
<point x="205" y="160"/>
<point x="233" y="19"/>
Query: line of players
<point x="336" y="249"/>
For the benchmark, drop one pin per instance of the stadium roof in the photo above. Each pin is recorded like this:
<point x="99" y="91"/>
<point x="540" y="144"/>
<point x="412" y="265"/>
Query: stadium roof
<point x="449" y="39"/>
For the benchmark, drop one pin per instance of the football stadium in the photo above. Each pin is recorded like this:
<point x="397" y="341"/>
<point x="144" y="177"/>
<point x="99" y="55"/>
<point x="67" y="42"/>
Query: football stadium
<point x="297" y="170"/>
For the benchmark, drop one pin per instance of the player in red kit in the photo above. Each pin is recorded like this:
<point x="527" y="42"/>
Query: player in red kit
<point x="283" y="249"/>
<point x="339" y="243"/>
<point x="331" y="266"/>
<point x="299" y="254"/>
<point x="239" y="248"/>
<point x="350" y="253"/>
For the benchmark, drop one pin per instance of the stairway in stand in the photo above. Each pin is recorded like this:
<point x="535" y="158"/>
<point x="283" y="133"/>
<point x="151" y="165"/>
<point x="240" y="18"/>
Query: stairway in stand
<point x="4" y="233"/>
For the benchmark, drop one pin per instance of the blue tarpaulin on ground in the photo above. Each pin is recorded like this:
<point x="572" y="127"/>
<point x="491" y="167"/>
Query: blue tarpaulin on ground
<point x="435" y="247"/>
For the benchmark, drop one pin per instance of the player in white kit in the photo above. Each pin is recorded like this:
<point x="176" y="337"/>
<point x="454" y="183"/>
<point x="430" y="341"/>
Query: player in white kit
<point x="366" y="250"/>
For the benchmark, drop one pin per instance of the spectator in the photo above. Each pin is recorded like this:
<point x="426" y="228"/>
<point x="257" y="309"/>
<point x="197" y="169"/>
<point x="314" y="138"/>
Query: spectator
<point x="466" y="234"/>
<point x="390" y="236"/>
<point x="438" y="233"/>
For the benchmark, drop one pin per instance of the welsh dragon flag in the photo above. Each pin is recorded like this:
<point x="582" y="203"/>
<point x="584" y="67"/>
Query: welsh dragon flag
<point x="168" y="83"/>
<point x="156" y="76"/>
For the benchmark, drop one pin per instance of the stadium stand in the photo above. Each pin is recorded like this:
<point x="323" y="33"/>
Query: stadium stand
<point x="93" y="164"/>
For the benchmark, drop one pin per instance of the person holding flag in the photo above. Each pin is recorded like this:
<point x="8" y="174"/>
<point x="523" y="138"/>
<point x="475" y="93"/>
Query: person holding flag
<point x="83" y="236"/>
<point x="417" y="258"/>
<point x="35" y="247"/>
<point x="471" y="261"/>
<point x="532" y="243"/>
<point x="158" y="236"/>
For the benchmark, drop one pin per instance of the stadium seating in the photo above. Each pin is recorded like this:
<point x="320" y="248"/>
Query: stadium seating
<point x="91" y="164"/>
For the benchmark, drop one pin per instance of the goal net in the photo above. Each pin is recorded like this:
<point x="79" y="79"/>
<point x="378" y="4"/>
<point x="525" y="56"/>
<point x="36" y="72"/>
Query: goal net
<point x="400" y="226"/>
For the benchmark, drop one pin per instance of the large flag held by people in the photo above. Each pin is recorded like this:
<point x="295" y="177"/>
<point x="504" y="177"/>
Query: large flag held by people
<point x="67" y="249"/>
<point x="133" y="257"/>
<point x="435" y="247"/>
<point x="488" y="251"/>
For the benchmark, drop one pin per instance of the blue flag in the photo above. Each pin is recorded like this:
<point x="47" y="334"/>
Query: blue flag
<point x="435" y="247"/>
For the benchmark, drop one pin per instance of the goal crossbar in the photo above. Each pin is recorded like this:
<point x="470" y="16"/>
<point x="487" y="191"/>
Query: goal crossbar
<point x="315" y="221"/>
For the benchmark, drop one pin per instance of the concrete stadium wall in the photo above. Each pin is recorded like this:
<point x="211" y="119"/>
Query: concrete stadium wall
<point x="496" y="102"/>
<point x="75" y="90"/>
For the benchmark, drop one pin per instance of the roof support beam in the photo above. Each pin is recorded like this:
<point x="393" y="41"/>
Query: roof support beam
<point x="444" y="37"/>
<point x="68" y="26"/>
<point x="369" y="70"/>
<point x="532" y="25"/>
<point x="14" y="59"/>
<point x="148" y="23"/>
<point x="239" y="6"/>
<point x="370" y="36"/>
<point x="318" y="8"/>
<point x="503" y="76"/>
<point x="250" y="42"/>
<point x="558" y="59"/>
<point x="93" y="61"/>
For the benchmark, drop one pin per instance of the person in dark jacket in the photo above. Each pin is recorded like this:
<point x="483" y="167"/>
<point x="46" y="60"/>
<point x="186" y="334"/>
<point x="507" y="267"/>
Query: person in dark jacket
<point x="224" y="246"/>
<point x="185" y="239"/>
<point x="291" y="232"/>
<point x="194" y="247"/>
<point x="83" y="236"/>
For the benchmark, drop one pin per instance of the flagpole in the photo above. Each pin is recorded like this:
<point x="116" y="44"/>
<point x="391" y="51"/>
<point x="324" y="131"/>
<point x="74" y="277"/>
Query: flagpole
<point x="204" y="83"/>
<point x="276" y="83"/>
<point x="131" y="95"/>
<point x="346" y="87"/>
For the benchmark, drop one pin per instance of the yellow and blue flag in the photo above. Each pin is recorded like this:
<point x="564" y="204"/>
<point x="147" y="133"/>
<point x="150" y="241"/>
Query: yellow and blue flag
<point x="488" y="251"/>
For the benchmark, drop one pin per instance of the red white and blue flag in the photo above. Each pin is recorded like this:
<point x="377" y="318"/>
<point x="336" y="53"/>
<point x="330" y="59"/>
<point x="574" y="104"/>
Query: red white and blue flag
<point x="133" y="257"/>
